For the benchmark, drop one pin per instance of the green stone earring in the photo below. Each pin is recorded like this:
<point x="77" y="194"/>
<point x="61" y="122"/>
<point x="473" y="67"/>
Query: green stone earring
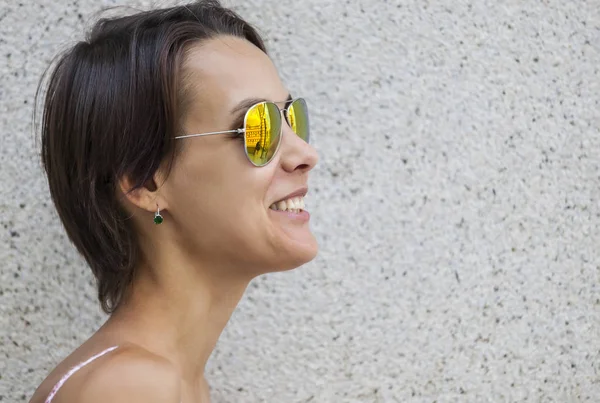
<point x="158" y="219"/>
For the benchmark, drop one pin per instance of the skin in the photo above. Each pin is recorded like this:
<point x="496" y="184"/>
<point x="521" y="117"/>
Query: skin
<point x="218" y="234"/>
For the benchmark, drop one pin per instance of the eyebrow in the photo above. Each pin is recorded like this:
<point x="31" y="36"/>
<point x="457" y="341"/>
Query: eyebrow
<point x="247" y="103"/>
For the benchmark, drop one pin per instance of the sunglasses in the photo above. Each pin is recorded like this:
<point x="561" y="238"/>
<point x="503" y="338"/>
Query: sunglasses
<point x="263" y="129"/>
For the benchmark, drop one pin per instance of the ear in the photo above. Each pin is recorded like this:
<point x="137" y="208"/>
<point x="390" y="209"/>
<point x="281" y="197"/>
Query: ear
<point x="147" y="197"/>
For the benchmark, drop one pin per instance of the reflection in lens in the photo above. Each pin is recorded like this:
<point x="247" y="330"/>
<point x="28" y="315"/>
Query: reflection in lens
<point x="297" y="115"/>
<point x="263" y="128"/>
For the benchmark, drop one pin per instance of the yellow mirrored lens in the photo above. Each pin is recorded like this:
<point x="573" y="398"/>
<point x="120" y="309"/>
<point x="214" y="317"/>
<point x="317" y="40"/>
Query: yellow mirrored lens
<point x="263" y="129"/>
<point x="298" y="118"/>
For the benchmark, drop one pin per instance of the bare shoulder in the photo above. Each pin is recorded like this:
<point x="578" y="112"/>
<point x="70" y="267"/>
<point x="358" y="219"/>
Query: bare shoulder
<point x="128" y="374"/>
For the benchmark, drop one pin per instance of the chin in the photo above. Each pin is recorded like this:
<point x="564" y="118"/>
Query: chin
<point x="297" y="254"/>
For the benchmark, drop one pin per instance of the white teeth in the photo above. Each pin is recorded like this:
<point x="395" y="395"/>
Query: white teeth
<point x="295" y="204"/>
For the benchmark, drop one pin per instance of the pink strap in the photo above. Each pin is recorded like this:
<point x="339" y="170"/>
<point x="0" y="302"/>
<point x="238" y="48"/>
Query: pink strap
<point x="73" y="370"/>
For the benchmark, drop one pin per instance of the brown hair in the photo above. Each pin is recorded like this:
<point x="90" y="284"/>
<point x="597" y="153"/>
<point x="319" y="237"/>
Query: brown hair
<point x="111" y="109"/>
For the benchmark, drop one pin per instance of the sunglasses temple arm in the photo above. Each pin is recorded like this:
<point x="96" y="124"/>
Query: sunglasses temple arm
<point x="211" y="133"/>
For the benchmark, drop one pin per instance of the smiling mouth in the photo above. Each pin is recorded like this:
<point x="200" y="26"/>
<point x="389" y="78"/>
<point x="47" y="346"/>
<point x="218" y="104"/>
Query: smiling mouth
<point x="291" y="205"/>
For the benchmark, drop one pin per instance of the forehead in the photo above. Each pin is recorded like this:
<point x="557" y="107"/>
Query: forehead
<point x="223" y="71"/>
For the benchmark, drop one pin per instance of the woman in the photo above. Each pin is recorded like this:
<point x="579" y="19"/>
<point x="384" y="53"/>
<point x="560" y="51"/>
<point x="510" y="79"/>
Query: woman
<point x="149" y="140"/>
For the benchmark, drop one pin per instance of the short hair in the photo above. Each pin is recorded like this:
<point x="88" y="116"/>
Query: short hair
<point x="113" y="104"/>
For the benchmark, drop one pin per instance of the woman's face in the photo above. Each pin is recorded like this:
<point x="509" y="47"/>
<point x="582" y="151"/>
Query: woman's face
<point x="217" y="201"/>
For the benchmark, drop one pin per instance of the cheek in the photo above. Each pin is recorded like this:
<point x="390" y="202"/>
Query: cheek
<point x="218" y="203"/>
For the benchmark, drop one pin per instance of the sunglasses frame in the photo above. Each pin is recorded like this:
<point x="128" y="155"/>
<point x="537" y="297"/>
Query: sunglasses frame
<point x="243" y="130"/>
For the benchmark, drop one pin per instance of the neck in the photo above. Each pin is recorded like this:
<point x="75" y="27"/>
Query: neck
<point x="179" y="313"/>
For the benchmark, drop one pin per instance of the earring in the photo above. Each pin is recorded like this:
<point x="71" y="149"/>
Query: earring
<point x="158" y="219"/>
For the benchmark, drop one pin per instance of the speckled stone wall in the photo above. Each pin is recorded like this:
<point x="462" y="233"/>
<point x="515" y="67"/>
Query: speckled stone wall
<point x="456" y="203"/>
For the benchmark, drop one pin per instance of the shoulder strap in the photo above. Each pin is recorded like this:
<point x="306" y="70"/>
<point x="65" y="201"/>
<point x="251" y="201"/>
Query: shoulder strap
<point x="73" y="370"/>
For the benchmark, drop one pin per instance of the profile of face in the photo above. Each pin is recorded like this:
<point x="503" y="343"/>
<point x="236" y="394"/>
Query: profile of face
<point x="216" y="203"/>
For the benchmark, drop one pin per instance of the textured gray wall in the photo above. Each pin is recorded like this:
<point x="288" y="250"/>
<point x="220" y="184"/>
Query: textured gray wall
<point x="456" y="204"/>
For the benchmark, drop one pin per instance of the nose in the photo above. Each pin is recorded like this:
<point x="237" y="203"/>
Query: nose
<point x="296" y="154"/>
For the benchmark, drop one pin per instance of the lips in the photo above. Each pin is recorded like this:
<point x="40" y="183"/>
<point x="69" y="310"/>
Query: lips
<point x="298" y="193"/>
